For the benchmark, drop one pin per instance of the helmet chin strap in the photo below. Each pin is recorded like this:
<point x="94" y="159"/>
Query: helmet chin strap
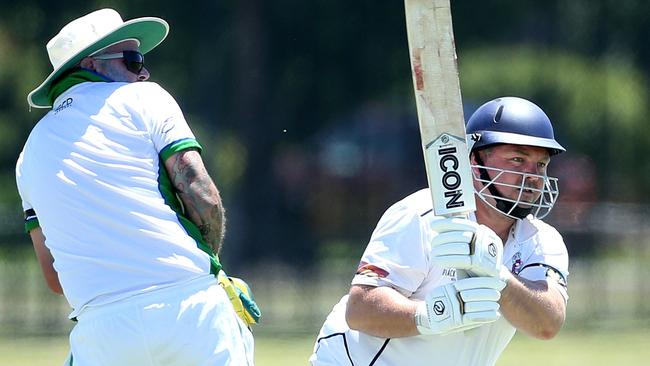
<point x="502" y="205"/>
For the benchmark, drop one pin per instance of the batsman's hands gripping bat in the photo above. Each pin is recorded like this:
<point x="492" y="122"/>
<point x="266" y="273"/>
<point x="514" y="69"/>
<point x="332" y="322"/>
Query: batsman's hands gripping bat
<point x="459" y="306"/>
<point x="465" y="245"/>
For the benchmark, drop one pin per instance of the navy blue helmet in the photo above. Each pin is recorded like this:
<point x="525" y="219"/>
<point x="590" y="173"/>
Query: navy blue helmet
<point x="512" y="120"/>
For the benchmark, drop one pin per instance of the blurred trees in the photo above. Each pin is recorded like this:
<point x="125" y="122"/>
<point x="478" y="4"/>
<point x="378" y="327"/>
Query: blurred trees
<point x="305" y="107"/>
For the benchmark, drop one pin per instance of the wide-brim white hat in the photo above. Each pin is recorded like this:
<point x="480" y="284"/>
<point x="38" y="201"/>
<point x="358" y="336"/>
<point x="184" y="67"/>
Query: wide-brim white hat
<point x="86" y="35"/>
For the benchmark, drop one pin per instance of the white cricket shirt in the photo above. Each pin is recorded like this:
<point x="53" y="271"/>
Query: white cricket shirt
<point x="398" y="256"/>
<point x="91" y="170"/>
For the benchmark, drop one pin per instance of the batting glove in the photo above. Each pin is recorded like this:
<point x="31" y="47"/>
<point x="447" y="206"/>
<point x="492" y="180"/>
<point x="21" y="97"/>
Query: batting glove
<point x="468" y="246"/>
<point x="460" y="305"/>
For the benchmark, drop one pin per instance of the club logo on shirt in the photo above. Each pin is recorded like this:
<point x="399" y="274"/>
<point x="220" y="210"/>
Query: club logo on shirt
<point x="370" y="270"/>
<point x="168" y="125"/>
<point x="516" y="263"/>
<point x="65" y="104"/>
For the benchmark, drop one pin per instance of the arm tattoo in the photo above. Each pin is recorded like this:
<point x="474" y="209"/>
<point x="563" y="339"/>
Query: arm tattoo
<point x="199" y="195"/>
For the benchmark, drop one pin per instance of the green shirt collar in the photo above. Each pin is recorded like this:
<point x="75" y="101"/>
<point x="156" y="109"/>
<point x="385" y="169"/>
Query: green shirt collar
<point x="71" y="78"/>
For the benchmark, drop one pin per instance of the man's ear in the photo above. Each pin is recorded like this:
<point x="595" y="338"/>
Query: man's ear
<point x="88" y="63"/>
<point x="472" y="157"/>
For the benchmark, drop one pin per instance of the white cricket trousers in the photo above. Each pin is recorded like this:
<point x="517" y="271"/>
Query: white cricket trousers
<point x="188" y="324"/>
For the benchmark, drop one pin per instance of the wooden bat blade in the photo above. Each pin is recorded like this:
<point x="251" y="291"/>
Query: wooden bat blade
<point x="439" y="105"/>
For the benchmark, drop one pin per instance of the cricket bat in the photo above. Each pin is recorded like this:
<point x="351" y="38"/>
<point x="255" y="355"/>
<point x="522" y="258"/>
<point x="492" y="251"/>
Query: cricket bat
<point x="439" y="106"/>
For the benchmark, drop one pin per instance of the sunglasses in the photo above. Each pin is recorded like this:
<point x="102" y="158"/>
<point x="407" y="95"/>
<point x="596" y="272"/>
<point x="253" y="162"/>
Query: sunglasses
<point x="133" y="60"/>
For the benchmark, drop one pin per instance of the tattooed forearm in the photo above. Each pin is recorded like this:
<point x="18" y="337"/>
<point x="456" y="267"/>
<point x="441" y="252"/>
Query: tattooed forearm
<point x="213" y="232"/>
<point x="199" y="195"/>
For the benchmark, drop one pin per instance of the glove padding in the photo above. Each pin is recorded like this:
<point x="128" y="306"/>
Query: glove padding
<point x="460" y="305"/>
<point x="466" y="245"/>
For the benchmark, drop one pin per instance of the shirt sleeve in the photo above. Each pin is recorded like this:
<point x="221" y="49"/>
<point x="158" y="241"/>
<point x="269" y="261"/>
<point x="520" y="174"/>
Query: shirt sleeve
<point x="169" y="130"/>
<point x="549" y="260"/>
<point x="395" y="255"/>
<point x="30" y="218"/>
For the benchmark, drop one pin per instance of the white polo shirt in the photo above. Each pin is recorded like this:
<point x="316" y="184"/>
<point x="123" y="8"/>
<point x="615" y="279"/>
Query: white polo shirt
<point x="398" y="257"/>
<point x="91" y="172"/>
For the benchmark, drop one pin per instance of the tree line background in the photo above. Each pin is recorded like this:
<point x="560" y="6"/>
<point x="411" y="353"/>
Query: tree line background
<point x="306" y="113"/>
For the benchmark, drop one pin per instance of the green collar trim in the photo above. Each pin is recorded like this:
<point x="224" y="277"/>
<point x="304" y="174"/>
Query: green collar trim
<point x="74" y="77"/>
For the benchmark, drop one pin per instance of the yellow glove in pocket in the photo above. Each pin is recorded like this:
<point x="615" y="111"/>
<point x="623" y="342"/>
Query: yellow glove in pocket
<point x="241" y="297"/>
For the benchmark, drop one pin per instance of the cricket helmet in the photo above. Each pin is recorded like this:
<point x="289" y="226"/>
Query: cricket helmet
<point x="517" y="121"/>
<point x="512" y="120"/>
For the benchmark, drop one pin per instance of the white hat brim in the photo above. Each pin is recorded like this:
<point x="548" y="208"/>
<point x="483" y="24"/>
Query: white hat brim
<point x="150" y="31"/>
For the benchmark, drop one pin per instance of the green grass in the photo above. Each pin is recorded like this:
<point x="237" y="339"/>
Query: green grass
<point x="51" y="351"/>
<point x="33" y="351"/>
<point x="570" y="348"/>
<point x="577" y="348"/>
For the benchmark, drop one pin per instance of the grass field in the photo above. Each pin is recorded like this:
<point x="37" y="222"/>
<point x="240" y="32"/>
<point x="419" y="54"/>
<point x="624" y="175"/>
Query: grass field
<point x="570" y="348"/>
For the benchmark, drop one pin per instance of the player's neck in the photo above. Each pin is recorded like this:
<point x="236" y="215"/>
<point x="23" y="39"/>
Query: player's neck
<point x="498" y="222"/>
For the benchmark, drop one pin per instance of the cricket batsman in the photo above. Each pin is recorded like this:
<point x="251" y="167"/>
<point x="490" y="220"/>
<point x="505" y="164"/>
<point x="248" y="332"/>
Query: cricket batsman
<point x="408" y="305"/>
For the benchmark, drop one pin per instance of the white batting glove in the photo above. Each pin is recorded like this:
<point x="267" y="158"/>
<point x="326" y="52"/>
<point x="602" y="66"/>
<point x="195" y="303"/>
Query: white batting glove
<point x="468" y="246"/>
<point x="460" y="305"/>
